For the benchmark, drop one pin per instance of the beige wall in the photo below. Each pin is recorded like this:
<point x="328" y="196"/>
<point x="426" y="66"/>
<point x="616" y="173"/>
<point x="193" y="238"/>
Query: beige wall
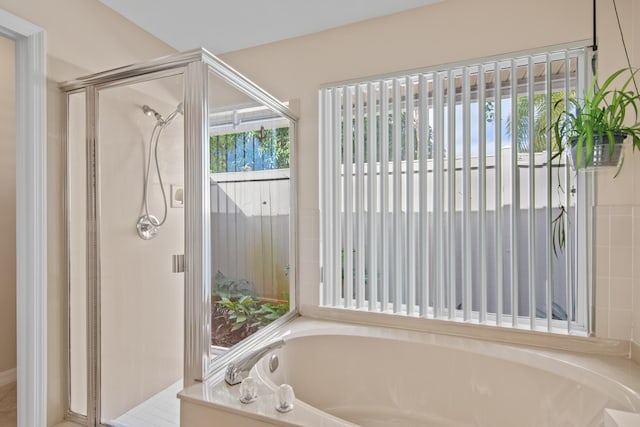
<point x="452" y="31"/>
<point x="83" y="36"/>
<point x="8" y="206"/>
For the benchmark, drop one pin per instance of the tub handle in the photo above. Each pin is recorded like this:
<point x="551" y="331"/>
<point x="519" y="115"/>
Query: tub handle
<point x="239" y="370"/>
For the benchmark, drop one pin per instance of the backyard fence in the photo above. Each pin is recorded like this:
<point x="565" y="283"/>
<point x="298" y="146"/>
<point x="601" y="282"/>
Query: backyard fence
<point x="250" y="230"/>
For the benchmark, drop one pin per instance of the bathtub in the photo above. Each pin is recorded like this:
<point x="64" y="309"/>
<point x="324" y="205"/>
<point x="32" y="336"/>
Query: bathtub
<point x="349" y="375"/>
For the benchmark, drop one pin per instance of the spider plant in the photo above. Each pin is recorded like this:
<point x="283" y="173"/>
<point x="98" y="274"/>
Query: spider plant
<point x="604" y="117"/>
<point x="598" y="118"/>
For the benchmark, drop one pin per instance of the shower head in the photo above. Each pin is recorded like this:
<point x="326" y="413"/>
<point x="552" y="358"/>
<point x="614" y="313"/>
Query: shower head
<point x="161" y="120"/>
<point x="151" y="112"/>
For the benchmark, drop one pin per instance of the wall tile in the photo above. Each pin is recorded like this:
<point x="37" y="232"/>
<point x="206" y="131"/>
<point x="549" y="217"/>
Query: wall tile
<point x="602" y="323"/>
<point x="602" y="291"/>
<point x="621" y="262"/>
<point x="602" y="261"/>
<point x="621" y="229"/>
<point x="622" y="209"/>
<point x="602" y="228"/>
<point x="620" y="324"/>
<point x="620" y="293"/>
<point x="615" y="191"/>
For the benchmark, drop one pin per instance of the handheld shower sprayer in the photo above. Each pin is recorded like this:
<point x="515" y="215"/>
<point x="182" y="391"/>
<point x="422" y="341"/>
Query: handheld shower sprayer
<point x="148" y="225"/>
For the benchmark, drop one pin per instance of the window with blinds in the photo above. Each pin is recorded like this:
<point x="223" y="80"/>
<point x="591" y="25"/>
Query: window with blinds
<point x="441" y="197"/>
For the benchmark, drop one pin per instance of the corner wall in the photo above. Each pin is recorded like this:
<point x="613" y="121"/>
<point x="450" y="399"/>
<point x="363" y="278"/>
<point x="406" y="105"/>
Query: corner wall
<point x="457" y="30"/>
<point x="617" y="219"/>
<point x="7" y="211"/>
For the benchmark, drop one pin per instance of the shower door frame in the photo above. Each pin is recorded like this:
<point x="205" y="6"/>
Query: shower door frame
<point x="195" y="66"/>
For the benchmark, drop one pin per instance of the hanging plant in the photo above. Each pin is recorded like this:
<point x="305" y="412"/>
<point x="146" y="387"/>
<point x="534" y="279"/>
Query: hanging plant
<point x="591" y="131"/>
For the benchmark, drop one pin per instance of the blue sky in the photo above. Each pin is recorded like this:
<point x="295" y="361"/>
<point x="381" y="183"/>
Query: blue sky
<point x="490" y="129"/>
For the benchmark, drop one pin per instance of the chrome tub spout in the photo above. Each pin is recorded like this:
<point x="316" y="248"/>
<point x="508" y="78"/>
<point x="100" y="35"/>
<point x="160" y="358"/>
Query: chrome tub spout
<point x="239" y="370"/>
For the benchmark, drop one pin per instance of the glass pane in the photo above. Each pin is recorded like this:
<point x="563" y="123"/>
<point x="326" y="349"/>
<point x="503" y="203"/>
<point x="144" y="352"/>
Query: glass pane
<point x="77" y="224"/>
<point x="250" y="203"/>
<point x="141" y="176"/>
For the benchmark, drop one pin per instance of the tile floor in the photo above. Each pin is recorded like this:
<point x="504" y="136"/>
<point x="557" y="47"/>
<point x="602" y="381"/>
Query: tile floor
<point x="8" y="405"/>
<point x="160" y="410"/>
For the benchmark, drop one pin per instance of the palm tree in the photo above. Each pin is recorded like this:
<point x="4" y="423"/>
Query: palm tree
<point x="540" y="121"/>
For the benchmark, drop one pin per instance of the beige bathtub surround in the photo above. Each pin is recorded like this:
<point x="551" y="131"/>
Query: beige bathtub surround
<point x="327" y="364"/>
<point x="8" y="406"/>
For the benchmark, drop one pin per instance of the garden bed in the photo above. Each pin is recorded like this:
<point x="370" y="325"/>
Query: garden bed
<point x="234" y="319"/>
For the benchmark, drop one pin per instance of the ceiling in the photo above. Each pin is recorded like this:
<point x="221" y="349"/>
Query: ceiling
<point x="226" y="25"/>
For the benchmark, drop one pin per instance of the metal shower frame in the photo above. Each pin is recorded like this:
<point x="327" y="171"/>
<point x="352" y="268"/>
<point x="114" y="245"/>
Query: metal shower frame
<point x="195" y="66"/>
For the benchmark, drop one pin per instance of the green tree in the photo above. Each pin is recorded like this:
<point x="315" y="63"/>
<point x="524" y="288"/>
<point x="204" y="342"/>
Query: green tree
<point x="219" y="147"/>
<point x="273" y="145"/>
<point x="540" y="121"/>
<point x="275" y="142"/>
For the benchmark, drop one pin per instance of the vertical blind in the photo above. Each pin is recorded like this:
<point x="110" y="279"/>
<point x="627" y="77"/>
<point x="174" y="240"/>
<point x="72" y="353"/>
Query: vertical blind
<point x="441" y="197"/>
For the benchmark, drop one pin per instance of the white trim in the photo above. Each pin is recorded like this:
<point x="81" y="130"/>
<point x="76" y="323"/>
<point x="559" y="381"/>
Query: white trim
<point x="547" y="340"/>
<point x="7" y="377"/>
<point x="31" y="218"/>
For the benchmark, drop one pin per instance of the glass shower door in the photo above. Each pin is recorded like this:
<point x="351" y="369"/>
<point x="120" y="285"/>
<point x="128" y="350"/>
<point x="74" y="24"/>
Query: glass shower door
<point x="141" y="240"/>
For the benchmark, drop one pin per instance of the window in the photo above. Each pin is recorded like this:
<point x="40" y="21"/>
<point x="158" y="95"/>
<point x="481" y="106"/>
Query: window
<point x="441" y="197"/>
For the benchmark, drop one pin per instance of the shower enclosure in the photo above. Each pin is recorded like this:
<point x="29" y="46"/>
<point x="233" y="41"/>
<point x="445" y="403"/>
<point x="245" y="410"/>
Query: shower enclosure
<point x="174" y="251"/>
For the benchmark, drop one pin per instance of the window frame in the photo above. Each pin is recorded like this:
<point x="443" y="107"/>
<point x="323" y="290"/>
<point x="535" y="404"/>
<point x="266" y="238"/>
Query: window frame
<point x="329" y="128"/>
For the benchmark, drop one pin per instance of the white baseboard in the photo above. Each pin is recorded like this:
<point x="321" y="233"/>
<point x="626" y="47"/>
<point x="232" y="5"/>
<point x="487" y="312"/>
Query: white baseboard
<point x="7" y="377"/>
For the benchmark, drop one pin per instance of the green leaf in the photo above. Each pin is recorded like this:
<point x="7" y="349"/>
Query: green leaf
<point x="237" y="326"/>
<point x="272" y="316"/>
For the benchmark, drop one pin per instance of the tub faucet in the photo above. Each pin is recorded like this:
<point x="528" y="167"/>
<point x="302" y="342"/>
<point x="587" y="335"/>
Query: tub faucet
<point x="239" y="370"/>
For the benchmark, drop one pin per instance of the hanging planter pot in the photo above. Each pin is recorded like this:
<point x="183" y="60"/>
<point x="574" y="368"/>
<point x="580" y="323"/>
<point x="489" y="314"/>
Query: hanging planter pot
<point x="591" y="129"/>
<point x="605" y="152"/>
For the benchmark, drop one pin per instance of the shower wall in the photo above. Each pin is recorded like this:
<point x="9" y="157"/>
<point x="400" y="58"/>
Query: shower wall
<point x="141" y="299"/>
<point x="8" y="209"/>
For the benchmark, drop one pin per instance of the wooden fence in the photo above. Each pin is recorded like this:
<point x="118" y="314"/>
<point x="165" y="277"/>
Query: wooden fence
<point x="250" y="229"/>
